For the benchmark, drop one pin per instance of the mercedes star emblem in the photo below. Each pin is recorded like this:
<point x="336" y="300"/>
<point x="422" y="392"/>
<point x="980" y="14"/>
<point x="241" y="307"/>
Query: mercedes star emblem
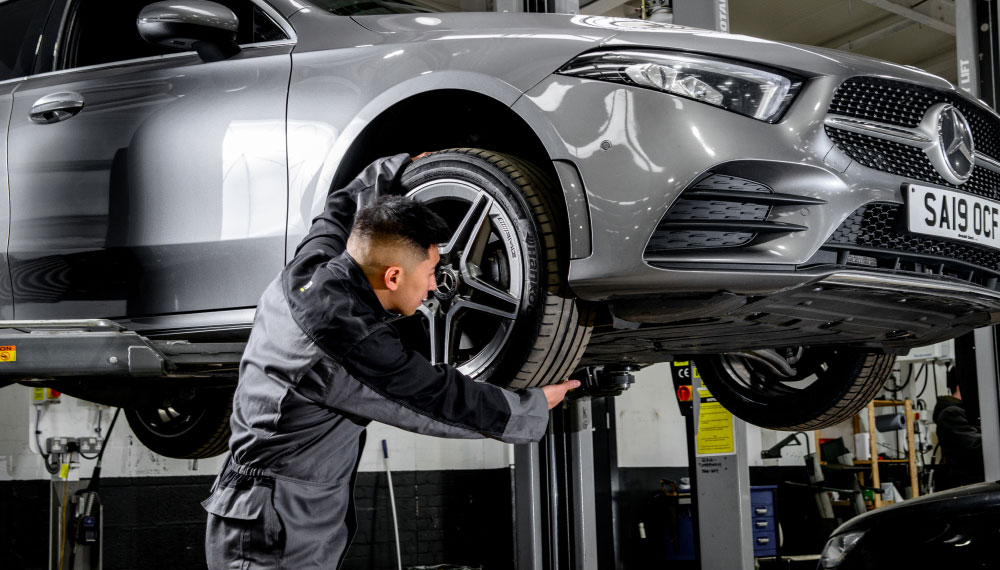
<point x="953" y="154"/>
<point x="447" y="283"/>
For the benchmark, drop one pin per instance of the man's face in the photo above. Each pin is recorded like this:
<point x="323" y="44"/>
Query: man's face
<point x="416" y="283"/>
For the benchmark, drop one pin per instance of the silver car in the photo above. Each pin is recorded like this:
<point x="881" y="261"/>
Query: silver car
<point x="621" y="193"/>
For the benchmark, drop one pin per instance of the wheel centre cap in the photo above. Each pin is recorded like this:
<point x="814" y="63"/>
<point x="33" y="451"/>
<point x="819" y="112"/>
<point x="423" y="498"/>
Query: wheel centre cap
<point x="447" y="283"/>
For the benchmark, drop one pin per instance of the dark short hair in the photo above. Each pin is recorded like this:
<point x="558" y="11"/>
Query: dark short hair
<point x="400" y="218"/>
<point x="953" y="379"/>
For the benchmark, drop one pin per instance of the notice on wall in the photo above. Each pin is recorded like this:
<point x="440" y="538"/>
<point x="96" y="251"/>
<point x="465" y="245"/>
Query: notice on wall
<point x="715" y="426"/>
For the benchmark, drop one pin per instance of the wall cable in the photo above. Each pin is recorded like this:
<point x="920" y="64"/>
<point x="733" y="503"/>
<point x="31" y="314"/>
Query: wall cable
<point x="52" y="469"/>
<point x="65" y="505"/>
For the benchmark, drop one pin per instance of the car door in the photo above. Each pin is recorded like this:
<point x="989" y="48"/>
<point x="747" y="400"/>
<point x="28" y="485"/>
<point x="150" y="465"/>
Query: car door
<point x="21" y="25"/>
<point x="160" y="186"/>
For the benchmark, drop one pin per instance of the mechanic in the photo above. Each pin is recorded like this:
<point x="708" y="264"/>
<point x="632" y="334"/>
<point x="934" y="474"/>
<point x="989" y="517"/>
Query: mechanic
<point x="322" y="362"/>
<point x="961" y="441"/>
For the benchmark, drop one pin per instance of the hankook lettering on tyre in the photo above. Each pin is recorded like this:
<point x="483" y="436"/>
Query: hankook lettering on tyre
<point x="531" y="256"/>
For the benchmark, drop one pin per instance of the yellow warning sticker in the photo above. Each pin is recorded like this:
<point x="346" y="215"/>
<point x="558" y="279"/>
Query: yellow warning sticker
<point x="715" y="425"/>
<point x="64" y="471"/>
<point x="38" y="395"/>
<point x="8" y="353"/>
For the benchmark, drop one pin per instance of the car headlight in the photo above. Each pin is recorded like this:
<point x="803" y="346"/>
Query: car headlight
<point x="751" y="91"/>
<point x="838" y="547"/>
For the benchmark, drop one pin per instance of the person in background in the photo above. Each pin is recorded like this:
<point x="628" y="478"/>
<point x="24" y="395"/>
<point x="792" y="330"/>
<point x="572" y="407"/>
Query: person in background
<point x="961" y="441"/>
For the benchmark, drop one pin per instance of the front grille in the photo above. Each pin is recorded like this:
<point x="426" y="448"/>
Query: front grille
<point x="904" y="104"/>
<point x="877" y="230"/>
<point x="909" y="162"/>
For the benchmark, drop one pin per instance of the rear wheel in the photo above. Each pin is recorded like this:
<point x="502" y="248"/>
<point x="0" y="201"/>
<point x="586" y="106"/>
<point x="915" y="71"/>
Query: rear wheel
<point x="190" y="425"/>
<point x="502" y="311"/>
<point x="796" y="388"/>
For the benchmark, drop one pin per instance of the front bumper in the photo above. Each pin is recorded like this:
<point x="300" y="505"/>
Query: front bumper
<point x="811" y="278"/>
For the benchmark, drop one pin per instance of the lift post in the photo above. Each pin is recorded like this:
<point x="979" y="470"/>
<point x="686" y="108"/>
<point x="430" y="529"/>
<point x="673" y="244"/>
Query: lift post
<point x="554" y="494"/>
<point x="565" y="486"/>
<point x="721" y="476"/>
<point x="977" y="25"/>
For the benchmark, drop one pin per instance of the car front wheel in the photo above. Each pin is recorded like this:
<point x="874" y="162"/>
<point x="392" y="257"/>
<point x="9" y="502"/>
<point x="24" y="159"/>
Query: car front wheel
<point x="502" y="311"/>
<point x="795" y="388"/>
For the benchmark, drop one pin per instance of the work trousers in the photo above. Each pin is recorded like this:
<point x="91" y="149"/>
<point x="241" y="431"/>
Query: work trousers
<point x="261" y="521"/>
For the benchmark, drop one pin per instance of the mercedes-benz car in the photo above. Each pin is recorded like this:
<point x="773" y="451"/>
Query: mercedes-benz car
<point x="621" y="193"/>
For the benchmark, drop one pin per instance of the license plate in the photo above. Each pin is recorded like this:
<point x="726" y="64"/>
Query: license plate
<point x="952" y="215"/>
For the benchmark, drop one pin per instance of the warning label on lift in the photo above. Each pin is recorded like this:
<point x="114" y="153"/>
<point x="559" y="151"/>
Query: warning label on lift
<point x="715" y="426"/>
<point x="8" y="353"/>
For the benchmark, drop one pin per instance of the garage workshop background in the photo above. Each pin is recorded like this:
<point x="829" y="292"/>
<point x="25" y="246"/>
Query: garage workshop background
<point x="453" y="497"/>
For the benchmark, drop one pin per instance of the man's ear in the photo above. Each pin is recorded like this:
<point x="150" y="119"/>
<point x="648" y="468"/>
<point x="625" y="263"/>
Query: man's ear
<point x="393" y="276"/>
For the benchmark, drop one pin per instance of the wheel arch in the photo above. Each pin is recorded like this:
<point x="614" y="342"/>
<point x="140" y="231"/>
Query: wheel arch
<point x="464" y="110"/>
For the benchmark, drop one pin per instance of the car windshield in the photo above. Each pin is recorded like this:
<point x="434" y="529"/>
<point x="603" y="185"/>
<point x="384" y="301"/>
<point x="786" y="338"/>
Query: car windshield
<point x="367" y="7"/>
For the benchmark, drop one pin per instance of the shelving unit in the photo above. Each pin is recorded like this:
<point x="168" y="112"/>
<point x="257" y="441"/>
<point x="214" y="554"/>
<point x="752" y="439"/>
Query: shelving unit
<point x="875" y="475"/>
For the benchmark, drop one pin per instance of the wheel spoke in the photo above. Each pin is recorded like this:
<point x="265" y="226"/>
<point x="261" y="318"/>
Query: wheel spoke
<point x="474" y="306"/>
<point x="432" y="313"/>
<point x="492" y="291"/>
<point x="451" y="332"/>
<point x="470" y="226"/>
<point x="472" y="255"/>
<point x="428" y="314"/>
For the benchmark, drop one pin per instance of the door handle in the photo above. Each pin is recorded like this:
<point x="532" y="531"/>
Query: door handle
<point x="56" y="107"/>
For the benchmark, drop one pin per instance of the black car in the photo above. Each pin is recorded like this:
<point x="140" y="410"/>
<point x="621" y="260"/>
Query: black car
<point x="958" y="528"/>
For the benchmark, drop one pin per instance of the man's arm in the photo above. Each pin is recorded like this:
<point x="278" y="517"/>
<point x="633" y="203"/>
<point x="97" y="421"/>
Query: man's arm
<point x="330" y="229"/>
<point x="399" y="387"/>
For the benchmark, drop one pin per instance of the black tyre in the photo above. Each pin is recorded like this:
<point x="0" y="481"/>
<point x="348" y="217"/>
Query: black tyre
<point x="799" y="388"/>
<point x="192" y="425"/>
<point x="502" y="312"/>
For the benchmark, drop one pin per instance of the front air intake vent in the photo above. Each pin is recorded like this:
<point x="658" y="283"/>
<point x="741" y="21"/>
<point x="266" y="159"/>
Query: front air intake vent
<point x="721" y="211"/>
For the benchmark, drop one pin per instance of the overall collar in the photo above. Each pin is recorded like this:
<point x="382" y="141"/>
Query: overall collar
<point x="364" y="289"/>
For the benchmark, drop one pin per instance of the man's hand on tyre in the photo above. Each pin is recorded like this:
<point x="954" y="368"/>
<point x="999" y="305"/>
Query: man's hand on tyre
<point x="556" y="392"/>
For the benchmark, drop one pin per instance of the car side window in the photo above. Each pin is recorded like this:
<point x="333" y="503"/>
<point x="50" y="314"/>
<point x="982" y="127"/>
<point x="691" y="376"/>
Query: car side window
<point x="21" y="23"/>
<point x="103" y="32"/>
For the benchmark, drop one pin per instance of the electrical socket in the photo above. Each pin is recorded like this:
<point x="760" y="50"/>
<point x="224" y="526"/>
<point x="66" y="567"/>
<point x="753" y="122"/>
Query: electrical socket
<point x="56" y="445"/>
<point x="89" y="444"/>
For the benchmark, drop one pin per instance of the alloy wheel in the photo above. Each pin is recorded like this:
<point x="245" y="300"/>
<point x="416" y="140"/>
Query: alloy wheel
<point x="469" y="317"/>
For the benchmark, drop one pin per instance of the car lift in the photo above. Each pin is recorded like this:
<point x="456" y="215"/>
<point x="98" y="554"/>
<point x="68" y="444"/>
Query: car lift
<point x="565" y="485"/>
<point x="557" y="485"/>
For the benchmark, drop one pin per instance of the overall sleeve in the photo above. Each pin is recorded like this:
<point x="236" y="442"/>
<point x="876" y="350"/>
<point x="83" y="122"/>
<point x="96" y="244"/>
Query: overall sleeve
<point x="329" y="230"/>
<point x="400" y="387"/>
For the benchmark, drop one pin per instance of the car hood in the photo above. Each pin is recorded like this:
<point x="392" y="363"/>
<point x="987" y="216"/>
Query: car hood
<point x="587" y="32"/>
<point x="936" y="506"/>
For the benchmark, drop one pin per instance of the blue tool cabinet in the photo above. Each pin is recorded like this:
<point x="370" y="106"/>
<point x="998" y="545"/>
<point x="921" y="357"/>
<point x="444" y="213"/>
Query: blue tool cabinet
<point x="764" y="521"/>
